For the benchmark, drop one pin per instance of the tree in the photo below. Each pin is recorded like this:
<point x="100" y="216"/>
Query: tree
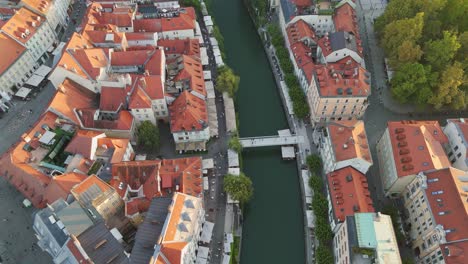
<point x="148" y="135"/>
<point x="408" y="52"/>
<point x="320" y="204"/>
<point x="235" y="144"/>
<point x="395" y="33"/>
<point x="324" y="255"/>
<point x="396" y="10"/>
<point x="440" y="52"/>
<point x="314" y="162"/>
<point x="315" y="183"/>
<point x="227" y="81"/>
<point x="239" y="187"/>
<point x="323" y="230"/>
<point x="406" y="81"/>
<point x="448" y="92"/>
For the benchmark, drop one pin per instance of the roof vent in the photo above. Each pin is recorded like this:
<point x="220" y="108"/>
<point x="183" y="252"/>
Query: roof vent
<point x="356" y="208"/>
<point x="401" y="136"/>
<point x="349" y="178"/>
<point x="402" y="144"/>
<point x="406" y="159"/>
<point x="408" y="167"/>
<point x="345" y="146"/>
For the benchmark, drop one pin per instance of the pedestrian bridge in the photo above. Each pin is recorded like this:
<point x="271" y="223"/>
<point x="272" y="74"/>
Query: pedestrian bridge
<point x="267" y="141"/>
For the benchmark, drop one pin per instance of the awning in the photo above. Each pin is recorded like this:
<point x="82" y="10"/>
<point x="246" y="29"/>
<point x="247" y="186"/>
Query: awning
<point x="35" y="80"/>
<point x="207" y="75"/>
<point x="43" y="70"/>
<point x="23" y="92"/>
<point x="207" y="232"/>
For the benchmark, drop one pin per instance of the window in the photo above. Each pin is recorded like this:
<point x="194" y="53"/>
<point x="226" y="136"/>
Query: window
<point x="437" y="192"/>
<point x="458" y="155"/>
<point x="433" y="180"/>
<point x="456" y="148"/>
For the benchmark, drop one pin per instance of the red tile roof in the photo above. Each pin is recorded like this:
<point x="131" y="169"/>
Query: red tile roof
<point x="300" y="31"/>
<point x="349" y="140"/>
<point x="23" y="25"/>
<point x="447" y="192"/>
<point x="345" y="19"/>
<point x="151" y="59"/>
<point x="88" y="63"/>
<point x="11" y="50"/>
<point x="349" y="193"/>
<point x="188" y="113"/>
<point x="455" y="253"/>
<point x="112" y="98"/>
<point x="82" y="143"/>
<point x="73" y="244"/>
<point x="60" y="186"/>
<point x="180" y="46"/>
<point x="139" y="99"/>
<point x="153" y="86"/>
<point x="119" y="145"/>
<point x="191" y="72"/>
<point x="121" y="16"/>
<point x="147" y="25"/>
<point x="124" y="120"/>
<point x="417" y="146"/>
<point x="92" y="180"/>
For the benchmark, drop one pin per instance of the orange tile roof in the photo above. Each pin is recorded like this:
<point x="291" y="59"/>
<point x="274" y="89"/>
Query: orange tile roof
<point x="153" y="86"/>
<point x="121" y="17"/>
<point x="299" y="31"/>
<point x="302" y="3"/>
<point x="139" y="35"/>
<point x="175" y="211"/>
<point x="11" y="50"/>
<point x="188" y="113"/>
<point x="449" y="208"/>
<point x="342" y="78"/>
<point x="345" y="19"/>
<point x="92" y="180"/>
<point x="82" y="143"/>
<point x="139" y="99"/>
<point x="349" y="193"/>
<point x="349" y="140"/>
<point x="455" y="253"/>
<point x="92" y="61"/>
<point x="98" y="34"/>
<point x="182" y="22"/>
<point x="60" y="186"/>
<point x="23" y="25"/>
<point x="147" y="25"/>
<point x="173" y="251"/>
<point x="70" y="97"/>
<point x="119" y="145"/>
<point x="77" y="41"/>
<point x="151" y="58"/>
<point x="124" y="120"/>
<point x="42" y="6"/>
<point x="180" y="46"/>
<point x="113" y="99"/>
<point x="185" y="172"/>
<point x="417" y="146"/>
<point x="136" y="174"/>
<point x="191" y="72"/>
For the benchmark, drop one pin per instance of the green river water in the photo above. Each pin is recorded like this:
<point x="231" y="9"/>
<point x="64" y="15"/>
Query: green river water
<point x="273" y="223"/>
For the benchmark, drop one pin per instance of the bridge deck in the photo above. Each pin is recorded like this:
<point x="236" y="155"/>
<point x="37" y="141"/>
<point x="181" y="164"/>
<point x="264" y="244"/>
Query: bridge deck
<point x="267" y="141"/>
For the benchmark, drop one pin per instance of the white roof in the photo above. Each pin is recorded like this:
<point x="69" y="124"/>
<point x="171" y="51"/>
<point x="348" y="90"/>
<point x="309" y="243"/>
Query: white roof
<point x="47" y="137"/>
<point x="208" y="20"/>
<point x="207" y="75"/>
<point x="288" y="152"/>
<point x="35" y="80"/>
<point x="216" y="51"/>
<point x="210" y="92"/>
<point x="230" y="200"/>
<point x="207" y="164"/>
<point x="140" y="157"/>
<point x="206" y="185"/>
<point x="204" y="56"/>
<point x="226" y="259"/>
<point x="23" y="92"/>
<point x="230" y="113"/>
<point x="310" y="219"/>
<point x="229" y="238"/>
<point x="59" y="48"/>
<point x="201" y="260"/>
<point x="203" y="252"/>
<point x="214" y="42"/>
<point x="207" y="232"/>
<point x="305" y="178"/>
<point x="43" y="70"/>
<point x="227" y="247"/>
<point x="233" y="158"/>
<point x="234" y="171"/>
<point x="219" y="61"/>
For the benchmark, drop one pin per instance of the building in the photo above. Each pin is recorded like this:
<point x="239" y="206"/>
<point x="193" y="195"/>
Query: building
<point x="344" y="143"/>
<point x="178" y="241"/>
<point x="53" y="226"/>
<point x="407" y="148"/>
<point x="457" y="134"/>
<point x="55" y="12"/>
<point x="189" y="122"/>
<point x="348" y="193"/>
<point x="436" y="215"/>
<point x="94" y="193"/>
<point x="366" y="238"/>
<point x="138" y="182"/>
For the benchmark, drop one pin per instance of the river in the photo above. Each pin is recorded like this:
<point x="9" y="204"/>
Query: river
<point x="273" y="229"/>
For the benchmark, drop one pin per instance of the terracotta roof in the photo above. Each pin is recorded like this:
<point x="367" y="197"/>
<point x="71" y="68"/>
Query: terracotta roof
<point x="99" y="34"/>
<point x="113" y="98"/>
<point x="75" y="251"/>
<point x="23" y="25"/>
<point x="153" y="86"/>
<point x="119" y="145"/>
<point x="342" y="78"/>
<point x="180" y="46"/>
<point x="42" y="6"/>
<point x="302" y="3"/>
<point x="82" y="143"/>
<point x="77" y="41"/>
<point x="147" y="25"/>
<point x="151" y="59"/>
<point x="349" y="193"/>
<point x="190" y="71"/>
<point x="455" y="253"/>
<point x="173" y="251"/>
<point x="184" y="173"/>
<point x="124" y="120"/>
<point x="70" y="97"/>
<point x="136" y="174"/>
<point x="349" y="140"/>
<point x="182" y="22"/>
<point x="345" y="19"/>
<point x="447" y="192"/>
<point x="417" y="146"/>
<point x="11" y="50"/>
<point x="121" y="16"/>
<point x="139" y="36"/>
<point x="60" y="186"/>
<point x="188" y="113"/>
<point x="299" y="31"/>
<point x="92" y="180"/>
<point x="139" y="99"/>
<point x="87" y="63"/>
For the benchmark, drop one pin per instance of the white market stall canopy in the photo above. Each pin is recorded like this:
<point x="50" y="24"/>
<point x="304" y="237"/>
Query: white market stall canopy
<point x="214" y="42"/>
<point x="43" y="71"/>
<point x="207" y="75"/>
<point x="47" y="137"/>
<point x="226" y="259"/>
<point x="234" y="171"/>
<point x="207" y="232"/>
<point x="207" y="164"/>
<point x="206" y="185"/>
<point x="23" y="92"/>
<point x="208" y="21"/>
<point x="35" y="80"/>
<point x="204" y="56"/>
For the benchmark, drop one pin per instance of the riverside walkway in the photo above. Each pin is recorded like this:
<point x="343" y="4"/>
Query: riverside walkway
<point x="267" y="141"/>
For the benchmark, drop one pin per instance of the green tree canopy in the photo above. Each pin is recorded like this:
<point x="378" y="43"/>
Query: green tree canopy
<point x="148" y="136"/>
<point x="315" y="182"/>
<point x="448" y="91"/>
<point x="324" y="255"/>
<point x="408" y="78"/>
<point x="239" y="187"/>
<point x="227" y="81"/>
<point x="408" y="52"/>
<point x="235" y="144"/>
<point x="323" y="230"/>
<point x="314" y="162"/>
<point x="395" y="33"/>
<point x="320" y="204"/>
<point x="440" y="52"/>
